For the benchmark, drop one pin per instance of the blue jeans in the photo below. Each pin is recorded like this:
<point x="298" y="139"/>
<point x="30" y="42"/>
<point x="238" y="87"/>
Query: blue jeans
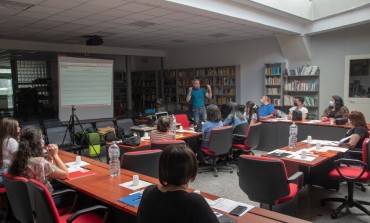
<point x="200" y="114"/>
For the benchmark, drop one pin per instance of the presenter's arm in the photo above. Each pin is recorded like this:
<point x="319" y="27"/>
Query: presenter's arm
<point x="188" y="97"/>
<point x="209" y="92"/>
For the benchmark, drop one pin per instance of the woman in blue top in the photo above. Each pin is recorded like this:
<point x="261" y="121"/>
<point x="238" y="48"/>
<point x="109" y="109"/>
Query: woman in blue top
<point x="213" y="121"/>
<point x="237" y="121"/>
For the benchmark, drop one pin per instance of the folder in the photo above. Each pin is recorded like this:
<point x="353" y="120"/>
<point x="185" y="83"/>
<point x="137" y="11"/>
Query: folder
<point x="79" y="174"/>
<point x="132" y="200"/>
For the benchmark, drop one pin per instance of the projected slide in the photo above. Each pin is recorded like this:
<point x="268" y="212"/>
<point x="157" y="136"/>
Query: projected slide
<point x="88" y="85"/>
<point x="85" y="84"/>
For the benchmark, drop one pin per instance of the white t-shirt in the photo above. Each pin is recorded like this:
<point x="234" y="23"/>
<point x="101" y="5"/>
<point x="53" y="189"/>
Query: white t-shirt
<point x="10" y="146"/>
<point x="303" y="110"/>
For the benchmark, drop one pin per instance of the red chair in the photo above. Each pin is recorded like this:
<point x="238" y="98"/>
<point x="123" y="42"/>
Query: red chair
<point x="219" y="143"/>
<point x="45" y="211"/>
<point x="351" y="171"/>
<point x="145" y="162"/>
<point x="161" y="144"/>
<point x="265" y="180"/>
<point x="252" y="139"/>
<point x="183" y="120"/>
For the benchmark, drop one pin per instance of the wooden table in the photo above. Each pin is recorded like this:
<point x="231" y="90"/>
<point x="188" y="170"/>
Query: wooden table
<point x="316" y="171"/>
<point x="105" y="189"/>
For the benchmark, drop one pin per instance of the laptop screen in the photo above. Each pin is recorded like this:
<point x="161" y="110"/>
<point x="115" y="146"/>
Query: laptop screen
<point x="160" y="114"/>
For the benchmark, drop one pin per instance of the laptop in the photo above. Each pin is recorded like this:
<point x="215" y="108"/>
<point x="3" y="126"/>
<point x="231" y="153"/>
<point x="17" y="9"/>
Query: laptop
<point x="160" y="114"/>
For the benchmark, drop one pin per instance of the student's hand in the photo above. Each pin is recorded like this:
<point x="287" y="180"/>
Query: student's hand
<point x="52" y="149"/>
<point x="324" y="119"/>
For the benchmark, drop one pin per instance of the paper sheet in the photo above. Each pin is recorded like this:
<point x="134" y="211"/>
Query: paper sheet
<point x="133" y="187"/>
<point x="227" y="205"/>
<point x="338" y="149"/>
<point x="308" y="157"/>
<point x="322" y="142"/>
<point x="72" y="169"/>
<point x="73" y="164"/>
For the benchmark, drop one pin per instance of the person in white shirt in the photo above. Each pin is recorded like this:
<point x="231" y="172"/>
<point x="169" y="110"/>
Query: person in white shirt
<point x="298" y="104"/>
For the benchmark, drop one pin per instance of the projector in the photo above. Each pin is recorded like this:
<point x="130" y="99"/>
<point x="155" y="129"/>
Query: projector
<point x="94" y="41"/>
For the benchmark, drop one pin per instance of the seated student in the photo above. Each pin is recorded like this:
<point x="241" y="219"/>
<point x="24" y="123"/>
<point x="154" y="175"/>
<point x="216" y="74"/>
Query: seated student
<point x="336" y="109"/>
<point x="9" y="136"/>
<point x="251" y="112"/>
<point x="266" y="110"/>
<point x="298" y="105"/>
<point x="358" y="132"/>
<point x="170" y="201"/>
<point x="30" y="162"/>
<point x="213" y="121"/>
<point x="163" y="131"/>
<point x="235" y="119"/>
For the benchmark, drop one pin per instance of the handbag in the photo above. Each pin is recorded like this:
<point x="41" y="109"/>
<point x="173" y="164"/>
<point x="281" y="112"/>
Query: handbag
<point x="131" y="140"/>
<point x="296" y="115"/>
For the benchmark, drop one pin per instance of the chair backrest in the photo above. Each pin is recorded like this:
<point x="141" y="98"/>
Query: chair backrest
<point x="145" y="162"/>
<point x="263" y="179"/>
<point x="34" y="122"/>
<point x="84" y="126"/>
<point x="366" y="152"/>
<point x="42" y="204"/>
<point x="56" y="134"/>
<point x="17" y="193"/>
<point x="220" y="140"/>
<point x="125" y="124"/>
<point x="241" y="129"/>
<point x="49" y="123"/>
<point x="104" y="124"/>
<point x="161" y="144"/>
<point x="253" y="135"/>
<point x="183" y="120"/>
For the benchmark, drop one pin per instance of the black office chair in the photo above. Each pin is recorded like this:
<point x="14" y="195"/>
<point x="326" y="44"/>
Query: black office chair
<point x="17" y="193"/>
<point x="219" y="143"/>
<point x="161" y="144"/>
<point x="57" y="134"/>
<point x="104" y="124"/>
<point x="125" y="124"/>
<point x="145" y="162"/>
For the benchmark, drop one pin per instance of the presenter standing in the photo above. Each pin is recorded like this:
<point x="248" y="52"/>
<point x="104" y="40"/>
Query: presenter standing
<point x="197" y="96"/>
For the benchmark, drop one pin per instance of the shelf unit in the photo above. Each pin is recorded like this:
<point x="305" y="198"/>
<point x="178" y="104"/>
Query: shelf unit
<point x="169" y="87"/>
<point x="273" y="79"/>
<point x="222" y="81"/>
<point x="120" y="94"/>
<point x="304" y="82"/>
<point x="144" y="90"/>
<point x="32" y="87"/>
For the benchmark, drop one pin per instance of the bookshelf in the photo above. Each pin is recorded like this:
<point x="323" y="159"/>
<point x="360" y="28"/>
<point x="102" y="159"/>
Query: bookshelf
<point x="304" y="82"/>
<point x="222" y="80"/>
<point x="144" y="90"/>
<point x="120" y="94"/>
<point x="169" y="87"/>
<point x="273" y="78"/>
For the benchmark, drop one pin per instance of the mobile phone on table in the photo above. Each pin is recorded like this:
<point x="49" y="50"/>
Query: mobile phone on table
<point x="238" y="210"/>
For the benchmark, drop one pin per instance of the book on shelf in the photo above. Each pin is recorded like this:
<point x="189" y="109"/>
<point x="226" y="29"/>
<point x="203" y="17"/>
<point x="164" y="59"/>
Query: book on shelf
<point x="297" y="85"/>
<point x="273" y="90"/>
<point x="272" y="80"/>
<point x="277" y="102"/>
<point x="305" y="70"/>
<point x="273" y="70"/>
<point x="308" y="101"/>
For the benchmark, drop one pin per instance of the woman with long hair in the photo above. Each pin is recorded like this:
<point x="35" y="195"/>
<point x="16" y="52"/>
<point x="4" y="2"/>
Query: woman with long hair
<point x="251" y="112"/>
<point x="9" y="136"/>
<point x="336" y="109"/>
<point x="359" y="131"/>
<point x="236" y="120"/>
<point x="31" y="162"/>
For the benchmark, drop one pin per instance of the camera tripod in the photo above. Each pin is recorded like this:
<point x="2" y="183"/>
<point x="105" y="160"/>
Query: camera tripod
<point x="71" y="128"/>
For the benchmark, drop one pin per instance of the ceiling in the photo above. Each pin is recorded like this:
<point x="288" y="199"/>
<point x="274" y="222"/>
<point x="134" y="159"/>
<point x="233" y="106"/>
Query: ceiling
<point x="146" y="24"/>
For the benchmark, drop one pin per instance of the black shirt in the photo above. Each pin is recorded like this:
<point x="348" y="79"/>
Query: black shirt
<point x="173" y="206"/>
<point x="362" y="132"/>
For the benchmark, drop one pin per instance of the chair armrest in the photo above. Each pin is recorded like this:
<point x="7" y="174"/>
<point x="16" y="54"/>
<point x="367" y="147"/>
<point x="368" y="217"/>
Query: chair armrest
<point x="237" y="135"/>
<point x="297" y="178"/>
<point x="354" y="151"/>
<point x="203" y="139"/>
<point x="64" y="192"/>
<point x="350" y="162"/>
<point x="87" y="210"/>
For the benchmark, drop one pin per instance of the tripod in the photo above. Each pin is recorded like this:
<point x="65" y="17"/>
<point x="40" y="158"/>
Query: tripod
<point x="71" y="128"/>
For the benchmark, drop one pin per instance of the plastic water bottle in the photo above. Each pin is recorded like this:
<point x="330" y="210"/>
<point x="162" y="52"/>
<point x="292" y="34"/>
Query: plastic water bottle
<point x="114" y="164"/>
<point x="293" y="132"/>
<point x="173" y="124"/>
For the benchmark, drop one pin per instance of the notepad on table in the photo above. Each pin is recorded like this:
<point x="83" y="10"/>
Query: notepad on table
<point x="80" y="173"/>
<point x="132" y="200"/>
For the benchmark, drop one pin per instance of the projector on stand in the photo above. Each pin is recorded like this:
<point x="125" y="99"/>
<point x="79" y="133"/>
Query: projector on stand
<point x="94" y="41"/>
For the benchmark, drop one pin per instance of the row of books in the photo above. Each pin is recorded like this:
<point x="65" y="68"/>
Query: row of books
<point x="305" y="70"/>
<point x="273" y="80"/>
<point x="277" y="102"/>
<point x="224" y="91"/>
<point x="143" y="76"/>
<point x="272" y="90"/>
<point x="273" y="70"/>
<point x="170" y="74"/>
<point x="297" y="85"/>
<point x="224" y="100"/>
<point x="143" y="84"/>
<point x="308" y="101"/>
<point x="170" y="91"/>
<point x="225" y="81"/>
<point x="144" y="91"/>
<point x="149" y="97"/>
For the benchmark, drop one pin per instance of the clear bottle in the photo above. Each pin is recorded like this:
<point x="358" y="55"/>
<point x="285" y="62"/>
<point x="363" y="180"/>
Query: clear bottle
<point x="173" y="124"/>
<point x="293" y="133"/>
<point x="114" y="164"/>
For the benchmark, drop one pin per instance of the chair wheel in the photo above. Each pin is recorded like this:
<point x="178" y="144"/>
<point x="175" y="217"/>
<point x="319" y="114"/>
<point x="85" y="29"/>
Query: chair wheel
<point x="231" y="171"/>
<point x="333" y="215"/>
<point x="363" y="189"/>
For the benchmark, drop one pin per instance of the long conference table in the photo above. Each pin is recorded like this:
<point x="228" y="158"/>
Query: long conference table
<point x="275" y="132"/>
<point x="106" y="190"/>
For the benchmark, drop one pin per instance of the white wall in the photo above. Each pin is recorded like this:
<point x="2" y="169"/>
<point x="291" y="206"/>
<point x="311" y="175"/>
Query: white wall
<point x="251" y="55"/>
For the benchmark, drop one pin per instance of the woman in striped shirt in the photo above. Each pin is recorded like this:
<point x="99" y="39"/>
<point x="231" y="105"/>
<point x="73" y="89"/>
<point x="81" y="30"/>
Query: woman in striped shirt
<point x="163" y="130"/>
